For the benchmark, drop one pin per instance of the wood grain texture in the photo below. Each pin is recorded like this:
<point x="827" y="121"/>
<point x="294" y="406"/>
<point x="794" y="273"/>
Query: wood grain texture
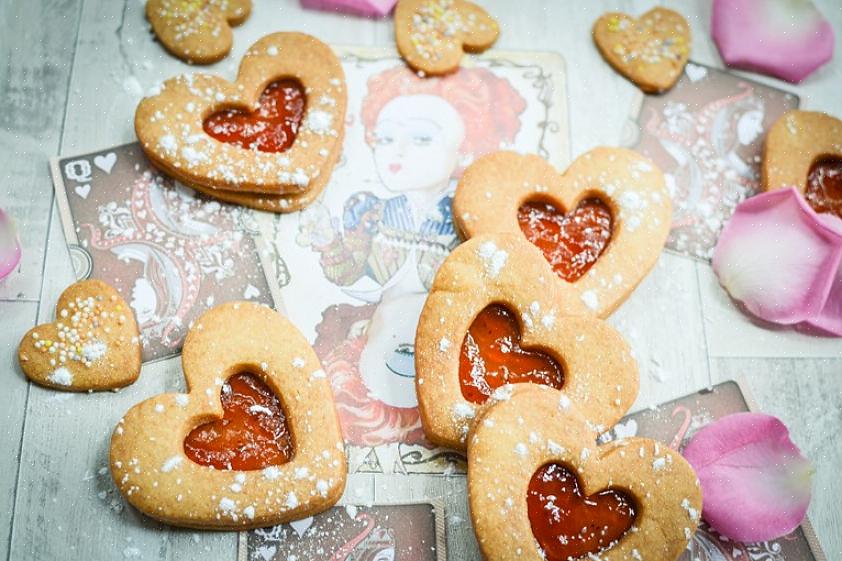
<point x="66" y="508"/>
<point x="36" y="55"/>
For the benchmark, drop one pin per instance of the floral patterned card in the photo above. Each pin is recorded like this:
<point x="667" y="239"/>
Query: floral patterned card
<point x="169" y="251"/>
<point x="706" y="134"/>
<point x="674" y="423"/>
<point x="356" y="265"/>
<point x="399" y="532"/>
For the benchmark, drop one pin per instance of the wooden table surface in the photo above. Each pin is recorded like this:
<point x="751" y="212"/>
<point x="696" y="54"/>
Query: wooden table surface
<point x="71" y="73"/>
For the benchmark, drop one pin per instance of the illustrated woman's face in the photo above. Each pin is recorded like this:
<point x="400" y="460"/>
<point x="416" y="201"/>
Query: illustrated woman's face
<point x="144" y="300"/>
<point x="750" y="126"/>
<point x="416" y="142"/>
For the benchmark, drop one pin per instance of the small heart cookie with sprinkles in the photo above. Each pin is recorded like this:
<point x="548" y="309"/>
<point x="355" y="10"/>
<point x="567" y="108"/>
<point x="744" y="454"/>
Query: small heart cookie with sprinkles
<point x="650" y="51"/>
<point x="197" y="31"/>
<point x="254" y="442"/>
<point x="804" y="150"/>
<point x="276" y="131"/>
<point x="535" y="469"/>
<point x="432" y="35"/>
<point x="601" y="224"/>
<point x="496" y="316"/>
<point x="94" y="344"/>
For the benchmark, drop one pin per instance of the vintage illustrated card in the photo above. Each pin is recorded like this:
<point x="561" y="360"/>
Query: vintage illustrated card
<point x="169" y="251"/>
<point x="399" y="532"/>
<point x="706" y="134"/>
<point x="356" y="265"/>
<point x="674" y="423"/>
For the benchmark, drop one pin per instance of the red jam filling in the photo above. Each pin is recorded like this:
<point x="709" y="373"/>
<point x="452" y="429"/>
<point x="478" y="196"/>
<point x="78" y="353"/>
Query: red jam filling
<point x="571" y="242"/>
<point x="272" y="128"/>
<point x="824" y="186"/>
<point x="568" y="525"/>
<point x="492" y="357"/>
<point x="252" y="434"/>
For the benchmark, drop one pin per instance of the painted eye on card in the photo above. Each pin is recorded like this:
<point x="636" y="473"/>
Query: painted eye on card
<point x="422" y="139"/>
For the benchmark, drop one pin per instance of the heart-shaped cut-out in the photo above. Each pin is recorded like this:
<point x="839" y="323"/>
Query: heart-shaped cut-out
<point x="106" y="162"/>
<point x="569" y="524"/>
<point x="93" y="344"/>
<point x="197" y="31"/>
<point x="493" y="357"/>
<point x="802" y="150"/>
<point x="153" y="465"/>
<point x="570" y="242"/>
<point x="252" y="433"/>
<point x="532" y="434"/>
<point x="518" y="194"/>
<point x="433" y="34"/>
<point x="171" y="124"/>
<point x="271" y="128"/>
<point x="589" y="360"/>
<point x="650" y="51"/>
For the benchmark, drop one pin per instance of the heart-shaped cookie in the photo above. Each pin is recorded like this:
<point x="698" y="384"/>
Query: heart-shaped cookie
<point x="495" y="294"/>
<point x="93" y="344"/>
<point x="255" y="441"/>
<point x="197" y="31"/>
<point x="650" y="51"/>
<point x="433" y="34"/>
<point x="173" y="125"/>
<point x="601" y="224"/>
<point x="531" y="462"/>
<point x="804" y="150"/>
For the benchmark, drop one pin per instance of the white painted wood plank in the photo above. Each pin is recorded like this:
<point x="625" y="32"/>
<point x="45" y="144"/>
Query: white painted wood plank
<point x="807" y="396"/>
<point x="35" y="62"/>
<point x="18" y="318"/>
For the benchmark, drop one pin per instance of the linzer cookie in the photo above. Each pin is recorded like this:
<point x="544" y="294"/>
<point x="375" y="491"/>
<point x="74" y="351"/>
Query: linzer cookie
<point x="255" y="441"/>
<point x="535" y="470"/>
<point x="197" y="31"/>
<point x="496" y="316"/>
<point x="804" y="150"/>
<point x="601" y="224"/>
<point x="433" y="34"/>
<point x="277" y="130"/>
<point x="93" y="344"/>
<point x="650" y="51"/>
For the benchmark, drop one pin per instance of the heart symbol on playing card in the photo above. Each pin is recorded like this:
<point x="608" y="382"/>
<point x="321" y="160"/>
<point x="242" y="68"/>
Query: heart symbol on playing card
<point x="494" y="319"/>
<point x="268" y="451"/>
<point x="650" y="51"/>
<point x="492" y="357"/>
<point x="198" y="32"/>
<point x="802" y="150"/>
<point x="301" y="526"/>
<point x="106" y="162"/>
<point x="695" y="72"/>
<point x="93" y="344"/>
<point x="605" y="247"/>
<point x="432" y="35"/>
<point x="83" y="190"/>
<point x="625" y="430"/>
<point x="558" y="511"/>
<point x="184" y="128"/>
<point x="582" y="500"/>
<point x="250" y="292"/>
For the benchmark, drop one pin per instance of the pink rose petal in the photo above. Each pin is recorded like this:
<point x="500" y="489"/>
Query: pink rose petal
<point x="755" y="482"/>
<point x="10" y="250"/>
<point x="368" y="8"/>
<point x="780" y="259"/>
<point x="789" y="39"/>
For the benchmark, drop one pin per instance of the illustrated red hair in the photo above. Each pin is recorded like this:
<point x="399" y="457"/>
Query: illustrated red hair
<point x="490" y="107"/>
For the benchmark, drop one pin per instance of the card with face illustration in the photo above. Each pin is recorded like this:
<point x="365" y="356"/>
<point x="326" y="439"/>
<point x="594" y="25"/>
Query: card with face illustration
<point x="706" y="134"/>
<point x="398" y="532"/>
<point x="170" y="252"/>
<point x="358" y="262"/>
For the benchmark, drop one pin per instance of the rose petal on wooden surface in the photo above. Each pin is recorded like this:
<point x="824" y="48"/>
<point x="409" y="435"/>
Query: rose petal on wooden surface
<point x="780" y="259"/>
<point x="367" y="8"/>
<point x="756" y="484"/>
<point x="10" y="250"/>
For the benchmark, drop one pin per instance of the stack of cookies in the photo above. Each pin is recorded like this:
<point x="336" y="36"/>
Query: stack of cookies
<point x="514" y="364"/>
<point x="265" y="142"/>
